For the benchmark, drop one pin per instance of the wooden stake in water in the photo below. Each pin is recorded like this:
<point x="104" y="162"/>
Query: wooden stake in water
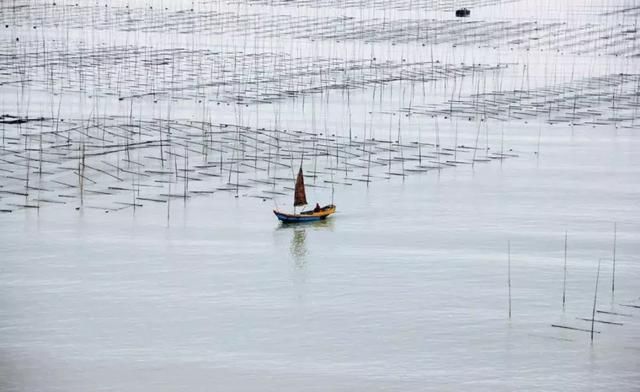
<point x="613" y="273"/>
<point x="564" y="281"/>
<point x="169" y="202"/>
<point x="509" y="274"/>
<point x="595" y="299"/>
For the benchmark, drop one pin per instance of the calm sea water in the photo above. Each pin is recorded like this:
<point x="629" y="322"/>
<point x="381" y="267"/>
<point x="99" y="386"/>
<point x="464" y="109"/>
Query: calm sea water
<point x="404" y="289"/>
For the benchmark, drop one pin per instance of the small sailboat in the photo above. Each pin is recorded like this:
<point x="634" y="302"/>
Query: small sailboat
<point x="300" y="199"/>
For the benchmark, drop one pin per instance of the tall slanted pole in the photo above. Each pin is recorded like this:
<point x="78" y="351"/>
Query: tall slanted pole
<point x="509" y="274"/>
<point x="595" y="299"/>
<point x="564" y="281"/>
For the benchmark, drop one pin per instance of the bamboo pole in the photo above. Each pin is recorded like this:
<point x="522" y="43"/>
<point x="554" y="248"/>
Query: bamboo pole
<point x="595" y="300"/>
<point x="564" y="281"/>
<point x="613" y="272"/>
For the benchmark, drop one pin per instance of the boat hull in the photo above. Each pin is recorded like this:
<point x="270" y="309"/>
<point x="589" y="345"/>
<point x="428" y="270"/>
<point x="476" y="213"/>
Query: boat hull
<point x="306" y="216"/>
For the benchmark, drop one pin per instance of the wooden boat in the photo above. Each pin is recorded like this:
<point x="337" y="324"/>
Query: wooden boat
<point x="306" y="216"/>
<point x="463" y="13"/>
<point x="300" y="199"/>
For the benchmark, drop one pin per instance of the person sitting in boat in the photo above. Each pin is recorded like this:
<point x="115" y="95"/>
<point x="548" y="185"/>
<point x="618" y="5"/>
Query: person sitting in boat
<point x="317" y="209"/>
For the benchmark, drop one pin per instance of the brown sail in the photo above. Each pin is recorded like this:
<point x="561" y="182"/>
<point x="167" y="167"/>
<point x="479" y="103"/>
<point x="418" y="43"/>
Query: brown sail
<point x="299" y="197"/>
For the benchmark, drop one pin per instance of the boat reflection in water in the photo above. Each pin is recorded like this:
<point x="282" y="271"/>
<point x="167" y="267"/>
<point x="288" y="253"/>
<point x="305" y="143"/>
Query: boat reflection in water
<point x="298" y="248"/>
<point x="299" y="233"/>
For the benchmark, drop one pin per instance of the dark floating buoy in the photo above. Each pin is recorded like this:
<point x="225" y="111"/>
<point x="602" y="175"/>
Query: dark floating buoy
<point x="463" y="13"/>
